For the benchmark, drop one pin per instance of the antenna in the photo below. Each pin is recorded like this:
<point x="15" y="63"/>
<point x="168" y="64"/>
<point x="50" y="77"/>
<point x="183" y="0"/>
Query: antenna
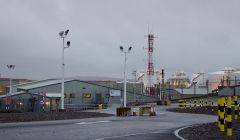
<point x="150" y="89"/>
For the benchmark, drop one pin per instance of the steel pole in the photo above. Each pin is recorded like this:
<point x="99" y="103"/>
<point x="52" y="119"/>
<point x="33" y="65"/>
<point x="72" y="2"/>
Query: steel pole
<point x="62" y="89"/>
<point x="10" y="90"/>
<point x="125" y="82"/>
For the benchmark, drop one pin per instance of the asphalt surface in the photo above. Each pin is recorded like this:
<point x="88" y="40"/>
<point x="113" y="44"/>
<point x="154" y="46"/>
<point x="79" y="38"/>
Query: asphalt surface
<point x="157" y="127"/>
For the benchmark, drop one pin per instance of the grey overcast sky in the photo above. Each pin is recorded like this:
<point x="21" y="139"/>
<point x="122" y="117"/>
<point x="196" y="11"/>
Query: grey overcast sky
<point x="193" y="35"/>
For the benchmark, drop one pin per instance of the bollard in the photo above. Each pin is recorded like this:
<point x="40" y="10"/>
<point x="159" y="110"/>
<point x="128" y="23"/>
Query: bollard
<point x="229" y="116"/>
<point x="180" y="104"/>
<point x="200" y="103"/>
<point x="221" y="113"/>
<point x="100" y="107"/>
<point x="195" y="103"/>
<point x="212" y="105"/>
<point x="206" y="104"/>
<point x="235" y="107"/>
<point x="219" y="120"/>
<point x="239" y="109"/>
<point x="185" y="104"/>
<point x="190" y="104"/>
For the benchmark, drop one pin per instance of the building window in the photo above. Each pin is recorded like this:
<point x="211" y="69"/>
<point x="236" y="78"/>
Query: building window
<point x="86" y="95"/>
<point x="72" y="95"/>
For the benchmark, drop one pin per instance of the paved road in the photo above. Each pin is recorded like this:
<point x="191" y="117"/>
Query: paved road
<point x="109" y="128"/>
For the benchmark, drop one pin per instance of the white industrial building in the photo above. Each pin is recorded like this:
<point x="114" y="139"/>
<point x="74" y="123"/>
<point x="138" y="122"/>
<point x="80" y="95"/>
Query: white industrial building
<point x="228" y="76"/>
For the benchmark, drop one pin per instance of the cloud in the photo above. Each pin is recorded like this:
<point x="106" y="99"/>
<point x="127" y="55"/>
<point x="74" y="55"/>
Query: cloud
<point x="192" y="35"/>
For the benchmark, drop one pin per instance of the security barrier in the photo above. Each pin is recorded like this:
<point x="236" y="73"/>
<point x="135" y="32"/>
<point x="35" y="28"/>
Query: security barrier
<point x="235" y="107"/>
<point x="201" y="102"/>
<point x="123" y="111"/>
<point x="100" y="107"/>
<point x="225" y="113"/>
<point x="229" y="116"/>
<point x="185" y="104"/>
<point x="239" y="109"/>
<point x="221" y="102"/>
<point x="181" y="104"/>
<point x="212" y="105"/>
<point x="190" y="104"/>
<point x="195" y="103"/>
<point x="219" y="120"/>
<point x="144" y="110"/>
<point x="206" y="104"/>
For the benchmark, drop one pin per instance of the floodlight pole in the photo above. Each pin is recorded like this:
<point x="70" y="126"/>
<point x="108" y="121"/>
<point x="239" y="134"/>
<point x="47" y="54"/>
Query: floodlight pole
<point x="10" y="67"/>
<point x="63" y="69"/>
<point x="125" y="82"/>
<point x="134" y="86"/>
<point x="125" y="79"/>
<point x="63" y="35"/>
<point x="194" y="90"/>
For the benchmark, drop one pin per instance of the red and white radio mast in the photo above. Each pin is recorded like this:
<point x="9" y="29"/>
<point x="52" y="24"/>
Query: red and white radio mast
<point x="150" y="89"/>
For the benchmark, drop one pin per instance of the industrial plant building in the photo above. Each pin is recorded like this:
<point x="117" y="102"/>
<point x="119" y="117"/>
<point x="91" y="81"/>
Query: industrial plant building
<point x="45" y="95"/>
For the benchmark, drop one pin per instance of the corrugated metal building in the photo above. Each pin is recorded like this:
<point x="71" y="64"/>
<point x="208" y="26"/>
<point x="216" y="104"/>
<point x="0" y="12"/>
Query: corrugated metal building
<point x="84" y="93"/>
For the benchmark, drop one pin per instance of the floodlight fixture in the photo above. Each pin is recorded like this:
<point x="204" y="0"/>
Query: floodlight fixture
<point x="121" y="48"/>
<point x="129" y="49"/>
<point x="61" y="33"/>
<point x="68" y="43"/>
<point x="66" y="32"/>
<point x="11" y="66"/>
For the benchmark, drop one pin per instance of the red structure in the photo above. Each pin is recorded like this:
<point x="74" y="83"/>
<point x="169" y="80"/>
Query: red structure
<point x="150" y="89"/>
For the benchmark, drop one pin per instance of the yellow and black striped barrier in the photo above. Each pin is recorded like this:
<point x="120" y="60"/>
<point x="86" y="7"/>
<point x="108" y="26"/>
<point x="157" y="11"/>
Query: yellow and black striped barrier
<point x="185" y="104"/>
<point x="221" y="117"/>
<point x="181" y="104"/>
<point x="218" y="112"/>
<point x="190" y="104"/>
<point x="239" y="109"/>
<point x="195" y="103"/>
<point x="212" y="105"/>
<point x="229" y="116"/>
<point x="235" y="107"/>
<point x="201" y="102"/>
<point x="206" y="104"/>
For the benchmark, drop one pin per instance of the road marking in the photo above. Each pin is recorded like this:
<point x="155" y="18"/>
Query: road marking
<point x="161" y="113"/>
<point x="120" y="136"/>
<point x="178" y="130"/>
<point x="82" y="123"/>
<point x="127" y="135"/>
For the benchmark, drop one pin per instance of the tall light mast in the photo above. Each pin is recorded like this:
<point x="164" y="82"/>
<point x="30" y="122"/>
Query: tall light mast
<point x="150" y="89"/>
